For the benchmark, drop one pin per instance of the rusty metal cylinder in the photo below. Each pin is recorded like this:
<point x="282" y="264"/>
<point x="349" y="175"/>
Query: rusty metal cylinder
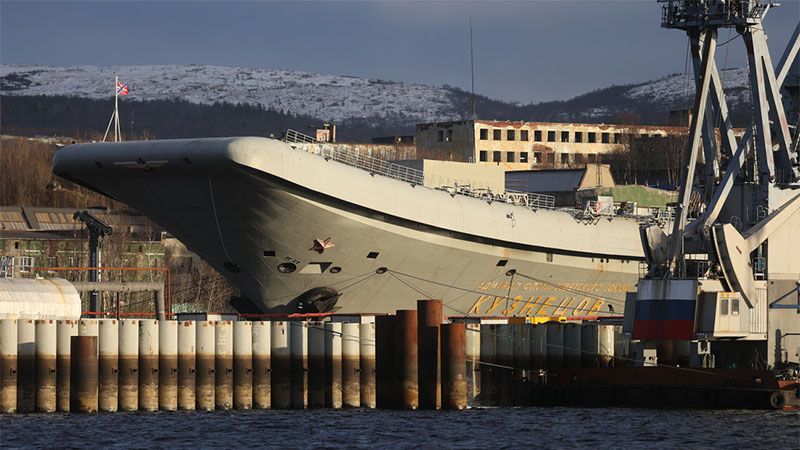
<point x="261" y="365"/>
<point x="108" y="365"/>
<point x="505" y="359"/>
<point x="187" y="368"/>
<point x="454" y="366"/>
<point x="168" y="365"/>
<point x="473" y="343"/>
<point x="281" y="353"/>
<point x="26" y="365"/>
<point x="572" y="345"/>
<point x="128" y="365"/>
<point x="386" y="364"/>
<point x="204" y="394"/>
<point x="223" y="365"/>
<point x="538" y="335"/>
<point x="366" y="357"/>
<point x="88" y="327"/>
<point x="406" y="360"/>
<point x="46" y="347"/>
<point x="555" y="345"/>
<point x="83" y="374"/>
<point x="243" y="365"/>
<point x="488" y="366"/>
<point x="65" y="329"/>
<point x="148" y="365"/>
<point x="316" y="365"/>
<point x="333" y="365"/>
<point x="8" y="365"/>
<point x="298" y="364"/>
<point x="429" y="321"/>
<point x="522" y="352"/>
<point x="351" y="366"/>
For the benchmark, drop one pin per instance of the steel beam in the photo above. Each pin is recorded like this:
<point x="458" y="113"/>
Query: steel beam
<point x="753" y="39"/>
<point x="788" y="56"/>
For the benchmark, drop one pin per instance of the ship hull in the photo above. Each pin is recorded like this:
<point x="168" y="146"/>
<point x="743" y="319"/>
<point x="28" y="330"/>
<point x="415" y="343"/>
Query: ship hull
<point x="296" y="232"/>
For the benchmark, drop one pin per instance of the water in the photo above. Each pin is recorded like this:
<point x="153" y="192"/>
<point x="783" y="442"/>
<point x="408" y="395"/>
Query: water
<point x="496" y="428"/>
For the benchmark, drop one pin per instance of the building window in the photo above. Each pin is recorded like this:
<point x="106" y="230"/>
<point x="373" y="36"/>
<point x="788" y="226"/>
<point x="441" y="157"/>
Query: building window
<point x="523" y="135"/>
<point x="578" y="136"/>
<point x="551" y="158"/>
<point x="484" y="156"/>
<point x="484" y="134"/>
<point x="735" y="307"/>
<point x="565" y="158"/>
<point x="510" y="157"/>
<point x="551" y="136"/>
<point x="537" y="157"/>
<point x="497" y="135"/>
<point x="6" y="266"/>
<point x="604" y="138"/>
<point x="592" y="157"/>
<point x="565" y="136"/>
<point x="496" y="156"/>
<point x="578" y="158"/>
<point x="618" y="138"/>
<point x="511" y="135"/>
<point x="723" y="307"/>
<point x="523" y="157"/>
<point x="440" y="137"/>
<point x="26" y="263"/>
<point x="592" y="137"/>
<point x="537" y="136"/>
<point x="449" y="135"/>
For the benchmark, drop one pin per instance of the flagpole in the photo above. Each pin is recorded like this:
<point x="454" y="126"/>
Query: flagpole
<point x="116" y="109"/>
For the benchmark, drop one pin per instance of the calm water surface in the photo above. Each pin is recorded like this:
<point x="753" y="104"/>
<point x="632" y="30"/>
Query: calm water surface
<point x="495" y="428"/>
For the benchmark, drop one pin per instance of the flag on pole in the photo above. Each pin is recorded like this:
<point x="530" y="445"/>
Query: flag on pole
<point x="122" y="88"/>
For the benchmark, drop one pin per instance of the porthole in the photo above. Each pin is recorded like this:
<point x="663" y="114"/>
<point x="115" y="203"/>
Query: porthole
<point x="336" y="269"/>
<point x="381" y="270"/>
<point x="286" y="268"/>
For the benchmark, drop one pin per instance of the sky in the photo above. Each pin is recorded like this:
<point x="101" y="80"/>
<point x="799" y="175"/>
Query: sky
<point x="524" y="51"/>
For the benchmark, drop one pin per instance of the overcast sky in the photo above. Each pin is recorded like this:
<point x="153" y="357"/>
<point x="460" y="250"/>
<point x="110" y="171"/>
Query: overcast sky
<point x="524" y="51"/>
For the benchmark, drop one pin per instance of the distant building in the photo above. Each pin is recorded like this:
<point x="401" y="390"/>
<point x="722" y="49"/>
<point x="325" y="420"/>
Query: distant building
<point x="568" y="186"/>
<point x="517" y="145"/>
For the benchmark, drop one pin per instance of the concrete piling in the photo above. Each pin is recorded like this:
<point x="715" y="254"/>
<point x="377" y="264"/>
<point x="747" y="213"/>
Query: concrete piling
<point x="26" y="365"/>
<point x="88" y="327"/>
<point x="333" y="365"/>
<point x="128" y="376"/>
<point x="505" y="358"/>
<point x="367" y="364"/>
<point x="243" y="365"/>
<point x="65" y="329"/>
<point x="298" y="364"/>
<point x="473" y="352"/>
<point x="281" y="353"/>
<point x="8" y="365"/>
<point x="387" y="361"/>
<point x="187" y="369"/>
<point x="572" y="345"/>
<point x="406" y="367"/>
<point x="204" y="393"/>
<point x="454" y="366"/>
<point x="223" y="365"/>
<point x="168" y="365"/>
<point x="148" y="365"/>
<point x="46" y="345"/>
<point x="555" y="345"/>
<point x="316" y="365"/>
<point x="83" y="373"/>
<point x="522" y="357"/>
<point x="538" y="346"/>
<point x="261" y="365"/>
<point x="351" y="366"/>
<point x="488" y="367"/>
<point x="429" y="320"/>
<point x="108" y="365"/>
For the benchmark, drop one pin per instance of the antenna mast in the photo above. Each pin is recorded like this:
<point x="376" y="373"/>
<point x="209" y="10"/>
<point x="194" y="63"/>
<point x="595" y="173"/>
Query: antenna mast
<point x="472" y="67"/>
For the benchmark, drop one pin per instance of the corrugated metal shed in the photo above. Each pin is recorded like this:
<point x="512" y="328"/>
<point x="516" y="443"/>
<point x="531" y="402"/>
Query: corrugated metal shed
<point x="28" y="298"/>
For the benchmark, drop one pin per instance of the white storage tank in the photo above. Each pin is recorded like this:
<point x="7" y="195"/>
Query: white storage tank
<point x="38" y="298"/>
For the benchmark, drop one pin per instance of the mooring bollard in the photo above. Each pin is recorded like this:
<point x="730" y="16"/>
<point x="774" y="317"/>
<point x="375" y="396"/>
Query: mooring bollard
<point x="128" y="365"/>
<point x="148" y="365"/>
<point x="64" y="332"/>
<point x="83" y="373"/>
<point x="298" y="364"/>
<point x="108" y="365"/>
<point x="429" y="321"/>
<point x="8" y="365"/>
<point x="473" y="369"/>
<point x="351" y="366"/>
<point x="26" y="365"/>
<point x="386" y="365"/>
<point x="204" y="394"/>
<point x="187" y="368"/>
<point x="242" y="365"/>
<point x="505" y="358"/>
<point x="454" y="366"/>
<point x="333" y="365"/>
<point x="316" y="365"/>
<point x="407" y="371"/>
<point x="168" y="365"/>
<point x="281" y="353"/>
<point x="223" y="365"/>
<point x="488" y="367"/>
<point x="366" y="352"/>
<point x="46" y="344"/>
<point x="261" y="365"/>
